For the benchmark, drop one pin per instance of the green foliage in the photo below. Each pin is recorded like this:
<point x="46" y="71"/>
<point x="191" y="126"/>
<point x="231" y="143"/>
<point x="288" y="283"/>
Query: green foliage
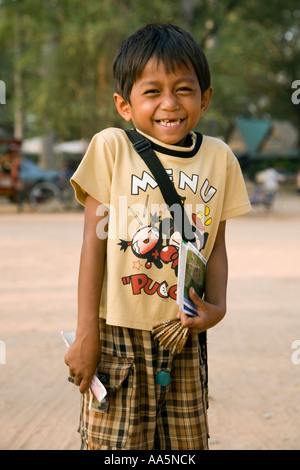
<point x="56" y="59"/>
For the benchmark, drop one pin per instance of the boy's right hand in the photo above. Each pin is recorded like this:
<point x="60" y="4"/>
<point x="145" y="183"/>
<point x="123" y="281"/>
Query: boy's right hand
<point x="82" y="359"/>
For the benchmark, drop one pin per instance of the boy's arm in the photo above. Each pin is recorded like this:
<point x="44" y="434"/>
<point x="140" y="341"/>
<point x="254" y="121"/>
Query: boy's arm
<point x="83" y="356"/>
<point x="211" y="310"/>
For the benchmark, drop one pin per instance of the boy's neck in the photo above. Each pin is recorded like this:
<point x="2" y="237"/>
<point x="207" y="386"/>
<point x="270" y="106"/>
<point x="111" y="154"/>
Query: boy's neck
<point x="188" y="142"/>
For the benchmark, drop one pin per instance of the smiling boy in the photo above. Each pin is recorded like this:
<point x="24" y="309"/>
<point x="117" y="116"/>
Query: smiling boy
<point x="127" y="277"/>
<point x="165" y="105"/>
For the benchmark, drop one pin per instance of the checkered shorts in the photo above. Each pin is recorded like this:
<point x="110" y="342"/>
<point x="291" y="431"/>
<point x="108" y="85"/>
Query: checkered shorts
<point x="141" y="414"/>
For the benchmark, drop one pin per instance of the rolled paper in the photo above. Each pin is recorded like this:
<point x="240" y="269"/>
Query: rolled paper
<point x="171" y="335"/>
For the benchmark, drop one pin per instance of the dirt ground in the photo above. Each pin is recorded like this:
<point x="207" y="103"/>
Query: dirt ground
<point x="254" y="383"/>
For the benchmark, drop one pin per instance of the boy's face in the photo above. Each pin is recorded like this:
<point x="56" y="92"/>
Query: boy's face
<point x="165" y="105"/>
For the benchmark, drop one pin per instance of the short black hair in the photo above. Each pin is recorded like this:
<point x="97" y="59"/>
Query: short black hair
<point x="169" y="43"/>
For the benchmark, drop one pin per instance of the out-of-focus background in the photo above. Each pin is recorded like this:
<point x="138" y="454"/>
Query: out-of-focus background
<point x="56" y="91"/>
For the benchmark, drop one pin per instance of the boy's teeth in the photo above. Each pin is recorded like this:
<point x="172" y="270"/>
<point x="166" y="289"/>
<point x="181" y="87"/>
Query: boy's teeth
<point x="167" y="122"/>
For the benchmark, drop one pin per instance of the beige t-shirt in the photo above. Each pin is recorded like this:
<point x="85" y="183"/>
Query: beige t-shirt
<point x="140" y="278"/>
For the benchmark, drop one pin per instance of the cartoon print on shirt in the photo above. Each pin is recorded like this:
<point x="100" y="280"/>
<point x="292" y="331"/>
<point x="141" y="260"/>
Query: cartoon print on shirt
<point x="158" y="243"/>
<point x="146" y="243"/>
<point x="198" y="219"/>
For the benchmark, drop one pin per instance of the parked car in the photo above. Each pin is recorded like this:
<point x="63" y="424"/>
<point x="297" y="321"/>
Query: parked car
<point x="30" y="173"/>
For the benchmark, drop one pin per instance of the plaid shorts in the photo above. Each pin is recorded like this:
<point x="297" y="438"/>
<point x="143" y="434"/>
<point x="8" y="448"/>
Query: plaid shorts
<point x="141" y="414"/>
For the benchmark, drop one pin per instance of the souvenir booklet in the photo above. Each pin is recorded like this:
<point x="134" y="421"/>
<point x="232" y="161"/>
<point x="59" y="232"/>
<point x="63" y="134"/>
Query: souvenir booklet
<point x="191" y="273"/>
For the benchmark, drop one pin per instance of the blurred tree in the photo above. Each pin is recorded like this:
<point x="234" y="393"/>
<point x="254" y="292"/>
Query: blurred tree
<point x="56" y="59"/>
<point x="253" y="50"/>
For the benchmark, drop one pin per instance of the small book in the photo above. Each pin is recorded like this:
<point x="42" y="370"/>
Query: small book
<point x="191" y="273"/>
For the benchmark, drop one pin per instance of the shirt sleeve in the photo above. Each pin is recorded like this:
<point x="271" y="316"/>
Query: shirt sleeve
<point x="236" y="201"/>
<point x="94" y="173"/>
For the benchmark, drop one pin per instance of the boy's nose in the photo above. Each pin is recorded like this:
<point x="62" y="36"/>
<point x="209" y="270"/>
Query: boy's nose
<point x="169" y="102"/>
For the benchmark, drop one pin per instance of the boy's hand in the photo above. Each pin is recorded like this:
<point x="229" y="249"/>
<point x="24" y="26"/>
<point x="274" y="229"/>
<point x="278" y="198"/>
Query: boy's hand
<point x="208" y="315"/>
<point x="82" y="360"/>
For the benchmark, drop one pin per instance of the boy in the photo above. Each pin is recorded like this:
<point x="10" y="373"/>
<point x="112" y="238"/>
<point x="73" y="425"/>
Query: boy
<point x="128" y="276"/>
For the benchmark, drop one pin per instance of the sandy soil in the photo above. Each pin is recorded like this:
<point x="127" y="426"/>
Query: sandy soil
<point x="254" y="384"/>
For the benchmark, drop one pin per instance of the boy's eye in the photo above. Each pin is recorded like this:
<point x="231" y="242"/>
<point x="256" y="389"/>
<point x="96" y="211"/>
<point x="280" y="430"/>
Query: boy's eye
<point x="184" y="89"/>
<point x="151" y="92"/>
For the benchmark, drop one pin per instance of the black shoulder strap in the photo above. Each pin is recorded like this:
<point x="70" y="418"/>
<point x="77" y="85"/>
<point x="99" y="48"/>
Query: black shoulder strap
<point x="170" y="195"/>
<point x="143" y="147"/>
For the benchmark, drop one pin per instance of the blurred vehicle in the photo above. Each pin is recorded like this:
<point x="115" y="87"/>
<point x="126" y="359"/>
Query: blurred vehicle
<point x="30" y="173"/>
<point x="266" y="192"/>
<point x="21" y="180"/>
<point x="9" y="168"/>
<point x="42" y="188"/>
<point x="268" y="200"/>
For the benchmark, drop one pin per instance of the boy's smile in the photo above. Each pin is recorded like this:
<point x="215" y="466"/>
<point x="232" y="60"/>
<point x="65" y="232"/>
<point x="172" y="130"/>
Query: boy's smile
<point x="165" y="105"/>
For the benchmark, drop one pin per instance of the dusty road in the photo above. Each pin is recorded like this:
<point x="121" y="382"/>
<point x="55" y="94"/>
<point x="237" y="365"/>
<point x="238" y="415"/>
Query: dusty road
<point x="254" y="384"/>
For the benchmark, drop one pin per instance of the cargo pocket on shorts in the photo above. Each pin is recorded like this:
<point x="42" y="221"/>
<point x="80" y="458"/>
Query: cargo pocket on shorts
<point x="110" y="427"/>
<point x="204" y="365"/>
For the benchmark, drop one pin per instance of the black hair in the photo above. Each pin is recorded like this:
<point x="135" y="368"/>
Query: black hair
<point x="168" y="43"/>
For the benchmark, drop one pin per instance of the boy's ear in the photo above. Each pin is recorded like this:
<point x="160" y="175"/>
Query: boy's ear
<point x="205" y="100"/>
<point x="123" y="107"/>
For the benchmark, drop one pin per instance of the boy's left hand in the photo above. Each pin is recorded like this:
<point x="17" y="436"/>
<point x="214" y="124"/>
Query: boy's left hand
<point x="208" y="315"/>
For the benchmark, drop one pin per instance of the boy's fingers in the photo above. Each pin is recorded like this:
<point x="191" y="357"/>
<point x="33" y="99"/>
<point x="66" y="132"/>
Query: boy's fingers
<point x="66" y="359"/>
<point x="186" y="320"/>
<point x="77" y="380"/>
<point x="84" y="385"/>
<point x="194" y="297"/>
